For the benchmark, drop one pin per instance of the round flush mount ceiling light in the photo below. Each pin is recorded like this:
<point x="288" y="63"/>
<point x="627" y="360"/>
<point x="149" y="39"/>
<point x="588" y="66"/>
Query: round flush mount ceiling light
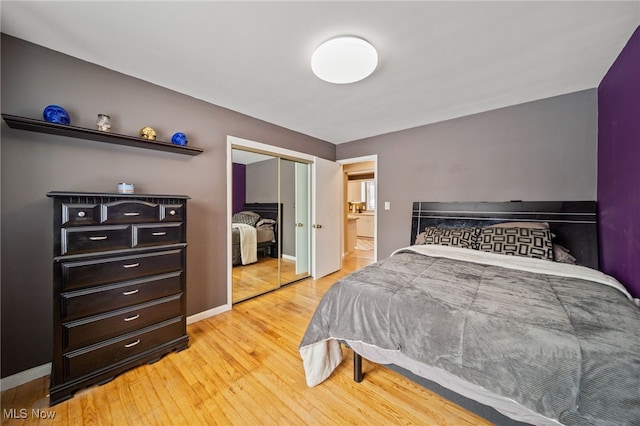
<point x="343" y="60"/>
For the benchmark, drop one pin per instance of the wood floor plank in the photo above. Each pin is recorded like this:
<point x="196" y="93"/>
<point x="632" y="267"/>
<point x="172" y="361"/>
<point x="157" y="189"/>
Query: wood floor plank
<point x="204" y="400"/>
<point x="243" y="367"/>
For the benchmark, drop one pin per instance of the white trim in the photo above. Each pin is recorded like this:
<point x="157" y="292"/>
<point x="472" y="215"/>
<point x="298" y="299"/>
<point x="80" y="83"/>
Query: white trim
<point x="229" y="215"/>
<point x="364" y="158"/>
<point x="268" y="149"/>
<point x="208" y="314"/>
<point x="25" y="376"/>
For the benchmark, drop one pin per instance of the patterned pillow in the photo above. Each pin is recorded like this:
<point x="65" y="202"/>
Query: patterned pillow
<point x="525" y="242"/>
<point x="245" y="218"/>
<point x="457" y="237"/>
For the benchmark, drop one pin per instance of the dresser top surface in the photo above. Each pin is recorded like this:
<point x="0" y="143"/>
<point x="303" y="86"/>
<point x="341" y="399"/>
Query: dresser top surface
<point x="111" y="194"/>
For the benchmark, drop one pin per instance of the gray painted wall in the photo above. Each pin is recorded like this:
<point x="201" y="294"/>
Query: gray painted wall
<point x="262" y="187"/>
<point x="543" y="150"/>
<point x="262" y="181"/>
<point x="33" y="164"/>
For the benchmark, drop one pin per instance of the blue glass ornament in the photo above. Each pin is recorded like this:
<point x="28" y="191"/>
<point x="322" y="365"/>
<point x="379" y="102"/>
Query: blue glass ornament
<point x="56" y="114"/>
<point x="179" y="138"/>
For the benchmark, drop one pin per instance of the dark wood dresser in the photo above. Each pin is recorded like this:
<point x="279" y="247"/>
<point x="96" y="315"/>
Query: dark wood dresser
<point x="119" y="285"/>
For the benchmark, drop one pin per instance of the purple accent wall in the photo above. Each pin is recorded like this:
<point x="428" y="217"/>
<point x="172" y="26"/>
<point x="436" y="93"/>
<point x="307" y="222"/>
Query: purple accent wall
<point x="239" y="195"/>
<point x="619" y="167"/>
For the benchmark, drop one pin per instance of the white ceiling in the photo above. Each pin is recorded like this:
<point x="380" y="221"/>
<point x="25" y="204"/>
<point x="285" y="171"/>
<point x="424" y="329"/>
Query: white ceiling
<point x="438" y="59"/>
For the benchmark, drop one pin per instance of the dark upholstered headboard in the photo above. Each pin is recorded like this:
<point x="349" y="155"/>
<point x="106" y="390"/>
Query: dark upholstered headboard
<point x="574" y="223"/>
<point x="267" y="211"/>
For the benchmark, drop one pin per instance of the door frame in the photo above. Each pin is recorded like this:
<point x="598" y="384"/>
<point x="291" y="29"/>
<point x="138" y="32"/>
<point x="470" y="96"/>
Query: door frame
<point x="236" y="142"/>
<point x="366" y="158"/>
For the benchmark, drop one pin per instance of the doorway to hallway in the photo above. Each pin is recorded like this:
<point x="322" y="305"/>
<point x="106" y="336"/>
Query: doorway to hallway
<point x="360" y="207"/>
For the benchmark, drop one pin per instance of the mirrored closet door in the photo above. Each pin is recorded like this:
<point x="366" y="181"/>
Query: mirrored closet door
<point x="270" y="223"/>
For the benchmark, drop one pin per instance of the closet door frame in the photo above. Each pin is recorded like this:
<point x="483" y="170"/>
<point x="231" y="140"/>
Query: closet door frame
<point x="240" y="143"/>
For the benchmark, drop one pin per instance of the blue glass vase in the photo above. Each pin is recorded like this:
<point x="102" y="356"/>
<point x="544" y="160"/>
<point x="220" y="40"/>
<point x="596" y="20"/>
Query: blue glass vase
<point x="56" y="114"/>
<point x="179" y="138"/>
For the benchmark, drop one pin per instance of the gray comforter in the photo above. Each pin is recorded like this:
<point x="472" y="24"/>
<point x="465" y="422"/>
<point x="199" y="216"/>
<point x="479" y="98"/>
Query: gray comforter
<point x="560" y="345"/>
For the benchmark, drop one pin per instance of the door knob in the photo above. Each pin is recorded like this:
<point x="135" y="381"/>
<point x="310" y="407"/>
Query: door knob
<point x="300" y="224"/>
<point x="317" y="226"/>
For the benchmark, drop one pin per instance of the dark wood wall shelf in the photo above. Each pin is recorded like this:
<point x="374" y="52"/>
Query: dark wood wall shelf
<point x="30" y="124"/>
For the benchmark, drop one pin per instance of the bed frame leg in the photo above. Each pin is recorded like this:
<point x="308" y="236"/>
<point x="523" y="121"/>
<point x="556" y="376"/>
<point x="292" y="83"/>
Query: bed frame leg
<point x="357" y="367"/>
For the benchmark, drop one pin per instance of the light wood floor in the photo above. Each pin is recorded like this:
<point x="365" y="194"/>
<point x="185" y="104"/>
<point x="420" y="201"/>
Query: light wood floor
<point x="262" y="276"/>
<point x="243" y="368"/>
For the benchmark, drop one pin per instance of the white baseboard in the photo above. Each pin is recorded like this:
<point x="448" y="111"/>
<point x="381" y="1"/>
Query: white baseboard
<point x="25" y="376"/>
<point x="34" y="373"/>
<point x="207" y="314"/>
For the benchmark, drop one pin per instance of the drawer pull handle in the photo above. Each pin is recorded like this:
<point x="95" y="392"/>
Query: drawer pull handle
<point x="129" y="293"/>
<point x="132" y="344"/>
<point x="172" y="212"/>
<point x="81" y="214"/>
<point x="131" y="265"/>
<point x="158" y="234"/>
<point x="132" y="214"/>
<point x="135" y="317"/>
<point x="98" y="238"/>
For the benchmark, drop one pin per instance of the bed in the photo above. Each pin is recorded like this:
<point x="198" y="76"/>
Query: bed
<point x="255" y="231"/>
<point x="519" y="338"/>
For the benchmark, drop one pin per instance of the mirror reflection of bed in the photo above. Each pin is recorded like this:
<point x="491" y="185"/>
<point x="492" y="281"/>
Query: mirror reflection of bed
<point x="270" y="201"/>
<point x="255" y="249"/>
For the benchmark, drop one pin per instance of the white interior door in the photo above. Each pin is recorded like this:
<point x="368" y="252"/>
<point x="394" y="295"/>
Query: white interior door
<point x="326" y="189"/>
<point x="302" y="217"/>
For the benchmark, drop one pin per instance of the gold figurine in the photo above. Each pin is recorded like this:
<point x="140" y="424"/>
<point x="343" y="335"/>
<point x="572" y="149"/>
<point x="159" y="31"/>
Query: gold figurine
<point x="148" y="133"/>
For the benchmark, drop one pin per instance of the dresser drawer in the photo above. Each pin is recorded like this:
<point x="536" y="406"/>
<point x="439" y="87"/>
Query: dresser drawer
<point x="130" y="212"/>
<point x="96" y="329"/>
<point x="95" y="239"/>
<point x="157" y="234"/>
<point x="80" y="214"/>
<point x="89" y="273"/>
<point x="172" y="212"/>
<point x="93" y="358"/>
<point x="93" y="301"/>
